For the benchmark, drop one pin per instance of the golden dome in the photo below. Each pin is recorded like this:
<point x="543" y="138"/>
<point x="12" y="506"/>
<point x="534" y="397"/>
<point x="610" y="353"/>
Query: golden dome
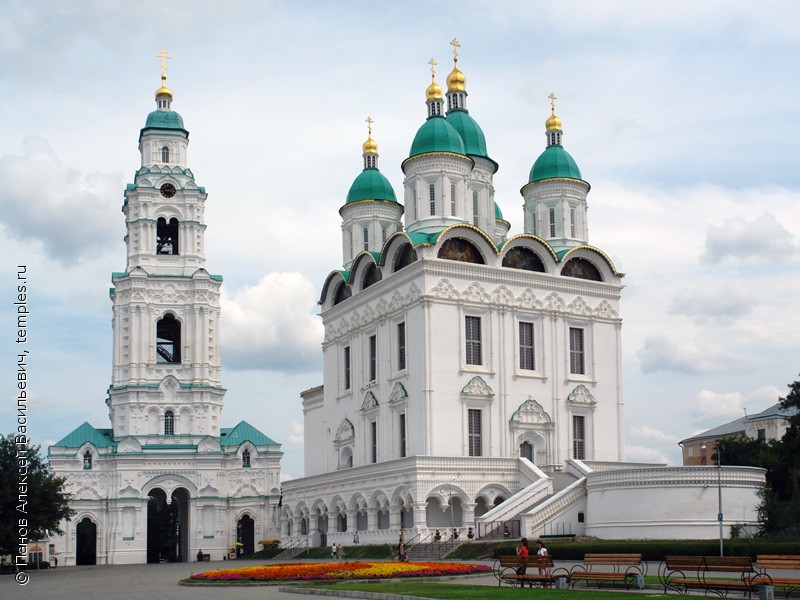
<point x="434" y="91"/>
<point x="553" y="122"/>
<point x="163" y="90"/>
<point x="370" y="146"/>
<point x="456" y="81"/>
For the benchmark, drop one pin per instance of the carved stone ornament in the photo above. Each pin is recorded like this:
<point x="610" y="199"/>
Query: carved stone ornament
<point x="477" y="387"/>
<point x="444" y="289"/>
<point x="370" y="402"/>
<point x="581" y="395"/>
<point x="530" y="412"/>
<point x="399" y="394"/>
<point x="346" y="431"/>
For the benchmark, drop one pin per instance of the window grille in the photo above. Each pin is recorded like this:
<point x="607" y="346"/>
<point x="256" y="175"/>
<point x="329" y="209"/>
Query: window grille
<point x="526" y="351"/>
<point x="473" y="340"/>
<point x="475" y="427"/>
<point x="577" y="356"/>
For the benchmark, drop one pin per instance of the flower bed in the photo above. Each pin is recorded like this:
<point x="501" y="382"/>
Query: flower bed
<point x="340" y="570"/>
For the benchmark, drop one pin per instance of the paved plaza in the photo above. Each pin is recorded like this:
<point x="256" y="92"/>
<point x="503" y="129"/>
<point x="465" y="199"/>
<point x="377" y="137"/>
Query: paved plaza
<point x="153" y="582"/>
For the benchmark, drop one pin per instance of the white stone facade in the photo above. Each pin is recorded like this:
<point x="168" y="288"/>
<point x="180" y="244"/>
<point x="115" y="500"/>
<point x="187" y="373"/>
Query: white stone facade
<point x="166" y="446"/>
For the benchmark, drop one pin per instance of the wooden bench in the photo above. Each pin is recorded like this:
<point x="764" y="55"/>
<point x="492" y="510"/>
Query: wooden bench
<point x="679" y="572"/>
<point x="767" y="564"/>
<point x="614" y="568"/>
<point x="711" y="574"/>
<point x="531" y="570"/>
<point x="204" y="558"/>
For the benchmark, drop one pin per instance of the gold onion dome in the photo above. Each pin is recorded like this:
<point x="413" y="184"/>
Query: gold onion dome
<point x="370" y="146"/>
<point x="456" y="81"/>
<point x="434" y="91"/>
<point x="553" y="122"/>
<point x="163" y="90"/>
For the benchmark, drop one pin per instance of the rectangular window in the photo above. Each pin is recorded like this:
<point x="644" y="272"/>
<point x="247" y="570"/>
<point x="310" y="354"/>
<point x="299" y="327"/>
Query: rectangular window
<point x="535" y="224"/>
<point x="526" y="354"/>
<point x="472" y="336"/>
<point x="347" y="367"/>
<point x="475" y="432"/>
<point x="762" y="435"/>
<point x="475" y="208"/>
<point x="452" y="199"/>
<point x="373" y="427"/>
<point x="401" y="346"/>
<point x="414" y="205"/>
<point x="433" y="199"/>
<point x="572" y="222"/>
<point x="552" y="222"/>
<point x="383" y="235"/>
<point x="373" y="358"/>
<point x="402" y="435"/>
<point x="578" y="438"/>
<point x="577" y="355"/>
<point x="366" y="238"/>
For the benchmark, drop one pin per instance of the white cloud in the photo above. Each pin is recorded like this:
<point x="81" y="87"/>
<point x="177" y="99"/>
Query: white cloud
<point x="764" y="397"/>
<point x="670" y="352"/>
<point x="718" y="304"/>
<point x="297" y="436"/>
<point x="725" y="405"/>
<point x="70" y="213"/>
<point x="271" y="326"/>
<point x="654" y="435"/>
<point x="763" y="238"/>
<point x="645" y="454"/>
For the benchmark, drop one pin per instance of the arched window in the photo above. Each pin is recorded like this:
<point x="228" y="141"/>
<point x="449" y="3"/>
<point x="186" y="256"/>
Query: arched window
<point x="168" y="340"/>
<point x="460" y="250"/>
<point x="523" y="258"/>
<point x="582" y="269"/>
<point x="372" y="275"/>
<point x="246" y="458"/>
<point x="87" y="460"/>
<point x="167" y="236"/>
<point x="526" y="450"/>
<point x="169" y="423"/>
<point x="342" y="293"/>
<point x="404" y="257"/>
<point x="165" y="154"/>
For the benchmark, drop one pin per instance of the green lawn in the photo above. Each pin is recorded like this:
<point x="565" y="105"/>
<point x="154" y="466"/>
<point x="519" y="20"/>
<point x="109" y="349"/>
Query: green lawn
<point x="447" y="591"/>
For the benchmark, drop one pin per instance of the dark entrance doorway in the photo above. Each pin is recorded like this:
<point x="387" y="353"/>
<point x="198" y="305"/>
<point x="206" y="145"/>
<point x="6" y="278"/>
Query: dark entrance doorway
<point x="168" y="526"/>
<point x="86" y="543"/>
<point x="246" y="535"/>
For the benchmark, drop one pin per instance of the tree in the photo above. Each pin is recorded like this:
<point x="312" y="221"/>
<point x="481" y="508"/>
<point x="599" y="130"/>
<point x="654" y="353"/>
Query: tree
<point x="29" y="491"/>
<point x="779" y="511"/>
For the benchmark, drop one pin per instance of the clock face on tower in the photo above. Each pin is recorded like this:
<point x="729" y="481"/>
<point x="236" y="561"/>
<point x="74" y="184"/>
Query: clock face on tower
<point x="168" y="190"/>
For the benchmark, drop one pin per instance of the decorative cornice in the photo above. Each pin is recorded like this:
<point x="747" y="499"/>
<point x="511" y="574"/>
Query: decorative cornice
<point x="477" y="387"/>
<point x="581" y="395"/>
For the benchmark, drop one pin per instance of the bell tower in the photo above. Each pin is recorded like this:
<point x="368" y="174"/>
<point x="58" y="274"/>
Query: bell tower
<point x="165" y="385"/>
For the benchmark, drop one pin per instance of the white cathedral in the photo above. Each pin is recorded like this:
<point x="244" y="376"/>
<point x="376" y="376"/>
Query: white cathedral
<point x="472" y="381"/>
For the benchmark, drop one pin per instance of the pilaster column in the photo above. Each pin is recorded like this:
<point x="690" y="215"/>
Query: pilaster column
<point x="372" y="519"/>
<point x="394" y="517"/>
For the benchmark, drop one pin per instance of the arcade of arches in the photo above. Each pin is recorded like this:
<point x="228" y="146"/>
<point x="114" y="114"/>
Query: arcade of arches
<point x="445" y="508"/>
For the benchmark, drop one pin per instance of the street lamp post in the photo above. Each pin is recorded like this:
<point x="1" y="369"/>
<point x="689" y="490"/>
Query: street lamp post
<point x="718" y="453"/>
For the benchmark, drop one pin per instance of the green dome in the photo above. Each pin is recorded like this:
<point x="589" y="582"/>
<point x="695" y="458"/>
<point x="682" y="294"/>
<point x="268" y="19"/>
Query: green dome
<point x="498" y="214"/>
<point x="554" y="162"/>
<point x="371" y="185"/>
<point x="436" y="135"/>
<point x="164" y="119"/>
<point x="470" y="132"/>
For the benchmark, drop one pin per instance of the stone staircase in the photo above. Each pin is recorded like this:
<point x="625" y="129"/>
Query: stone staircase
<point x="432" y="550"/>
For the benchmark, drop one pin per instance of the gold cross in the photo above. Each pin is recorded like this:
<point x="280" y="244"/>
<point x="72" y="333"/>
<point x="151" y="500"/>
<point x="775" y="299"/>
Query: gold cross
<point x="455" y="46"/>
<point x="369" y="125"/>
<point x="432" y="63"/>
<point x="553" y="99"/>
<point x="163" y="56"/>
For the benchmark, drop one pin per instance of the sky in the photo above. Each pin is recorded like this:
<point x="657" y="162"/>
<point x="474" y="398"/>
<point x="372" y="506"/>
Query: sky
<point x="683" y="116"/>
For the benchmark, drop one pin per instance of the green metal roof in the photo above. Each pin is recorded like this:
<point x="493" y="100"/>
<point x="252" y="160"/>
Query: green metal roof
<point x="498" y="214"/>
<point x="371" y="184"/>
<point x="554" y="163"/>
<point x="436" y="135"/>
<point x="418" y="238"/>
<point x="243" y="432"/>
<point x="164" y="119"/>
<point x="99" y="438"/>
<point x="470" y="132"/>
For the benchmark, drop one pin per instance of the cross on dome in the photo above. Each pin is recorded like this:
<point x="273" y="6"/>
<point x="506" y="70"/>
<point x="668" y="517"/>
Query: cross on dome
<point x="456" y="45"/>
<point x="163" y="56"/>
